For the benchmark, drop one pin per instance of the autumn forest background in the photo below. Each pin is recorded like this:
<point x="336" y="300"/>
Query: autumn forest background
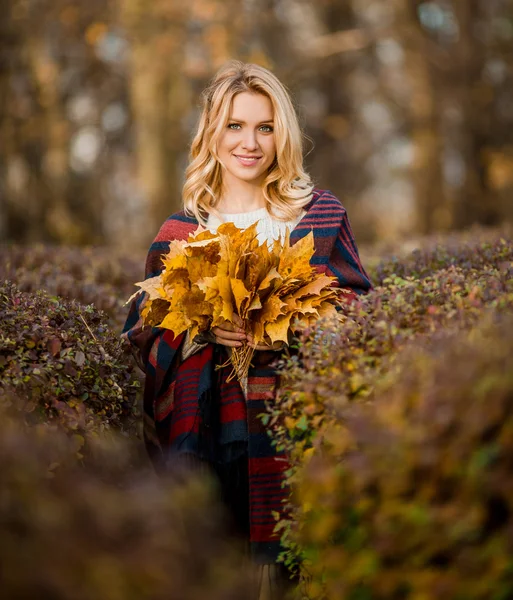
<point x="407" y="105"/>
<point x="397" y="418"/>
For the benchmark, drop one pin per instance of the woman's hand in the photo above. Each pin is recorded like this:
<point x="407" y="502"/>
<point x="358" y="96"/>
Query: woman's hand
<point x="233" y="335"/>
<point x="229" y="335"/>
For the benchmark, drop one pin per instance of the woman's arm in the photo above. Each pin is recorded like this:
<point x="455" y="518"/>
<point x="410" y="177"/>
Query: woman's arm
<point x="142" y="337"/>
<point x="344" y="263"/>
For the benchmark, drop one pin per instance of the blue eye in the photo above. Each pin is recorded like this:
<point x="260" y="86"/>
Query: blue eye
<point x="262" y="128"/>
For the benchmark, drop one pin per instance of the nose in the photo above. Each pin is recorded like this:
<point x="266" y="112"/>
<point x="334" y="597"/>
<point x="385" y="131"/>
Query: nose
<point x="249" y="141"/>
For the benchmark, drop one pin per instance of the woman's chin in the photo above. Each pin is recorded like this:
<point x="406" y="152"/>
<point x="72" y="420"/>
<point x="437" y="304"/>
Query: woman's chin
<point x="255" y="177"/>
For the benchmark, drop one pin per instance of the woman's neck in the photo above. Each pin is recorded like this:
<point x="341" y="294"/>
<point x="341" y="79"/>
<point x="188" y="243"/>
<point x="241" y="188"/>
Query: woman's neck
<point x="240" y="196"/>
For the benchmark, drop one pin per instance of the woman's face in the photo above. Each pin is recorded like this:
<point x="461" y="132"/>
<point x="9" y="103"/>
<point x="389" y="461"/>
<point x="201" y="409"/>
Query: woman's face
<point x="247" y="147"/>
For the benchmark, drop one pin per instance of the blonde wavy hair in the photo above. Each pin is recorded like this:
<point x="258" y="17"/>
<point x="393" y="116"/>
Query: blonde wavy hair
<point x="287" y="187"/>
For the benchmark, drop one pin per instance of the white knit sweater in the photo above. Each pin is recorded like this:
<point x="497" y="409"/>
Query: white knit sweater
<point x="268" y="228"/>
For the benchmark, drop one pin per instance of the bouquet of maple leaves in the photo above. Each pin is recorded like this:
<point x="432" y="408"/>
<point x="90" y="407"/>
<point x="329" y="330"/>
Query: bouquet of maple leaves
<point x="212" y="278"/>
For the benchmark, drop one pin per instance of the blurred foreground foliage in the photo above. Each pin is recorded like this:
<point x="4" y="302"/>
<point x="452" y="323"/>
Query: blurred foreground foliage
<point x="399" y="423"/>
<point x="82" y="515"/>
<point x="407" y="105"/>
<point x="107" y="530"/>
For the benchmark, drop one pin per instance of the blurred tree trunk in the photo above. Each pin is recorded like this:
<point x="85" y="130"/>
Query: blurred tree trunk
<point x="424" y="108"/>
<point x="305" y="41"/>
<point x="9" y="48"/>
<point x="49" y="154"/>
<point x="21" y="217"/>
<point x="162" y="86"/>
<point x="35" y="128"/>
<point x="156" y="91"/>
<point x="474" y="201"/>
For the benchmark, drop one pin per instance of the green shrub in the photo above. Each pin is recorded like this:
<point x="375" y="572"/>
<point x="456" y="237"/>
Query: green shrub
<point x="412" y="496"/>
<point x="106" y="531"/>
<point x="66" y="363"/>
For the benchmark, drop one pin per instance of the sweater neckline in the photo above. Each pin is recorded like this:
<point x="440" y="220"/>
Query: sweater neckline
<point x="250" y="213"/>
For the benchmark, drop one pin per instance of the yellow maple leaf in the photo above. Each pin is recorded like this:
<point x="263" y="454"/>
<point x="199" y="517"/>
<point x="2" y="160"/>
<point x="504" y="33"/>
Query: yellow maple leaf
<point x="152" y="312"/>
<point x="175" y="257"/>
<point x="314" y="288"/>
<point x="209" y="287"/>
<point x="201" y="233"/>
<point x="153" y="288"/>
<point x="327" y="309"/>
<point x="203" y="243"/>
<point x="257" y="330"/>
<point x="272" y="277"/>
<point x="255" y="304"/>
<point x="254" y="270"/>
<point x="194" y="304"/>
<point x="176" y="321"/>
<point x="307" y="307"/>
<point x="278" y="330"/>
<point x="174" y="278"/>
<point x="240" y="294"/>
<point x="271" y="309"/>
<point x="225" y="293"/>
<point x="295" y="259"/>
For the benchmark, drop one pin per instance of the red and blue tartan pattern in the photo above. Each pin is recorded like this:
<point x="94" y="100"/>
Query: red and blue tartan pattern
<point x="173" y="388"/>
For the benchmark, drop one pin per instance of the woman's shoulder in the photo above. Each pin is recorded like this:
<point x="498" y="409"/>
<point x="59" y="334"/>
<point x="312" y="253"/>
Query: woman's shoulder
<point x="324" y="201"/>
<point x="177" y="226"/>
<point x="324" y="214"/>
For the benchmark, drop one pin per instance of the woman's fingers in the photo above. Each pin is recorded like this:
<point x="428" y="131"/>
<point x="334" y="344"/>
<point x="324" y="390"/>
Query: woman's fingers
<point x="228" y="334"/>
<point x="238" y="321"/>
<point x="227" y="337"/>
<point x="227" y="326"/>
<point x="233" y="336"/>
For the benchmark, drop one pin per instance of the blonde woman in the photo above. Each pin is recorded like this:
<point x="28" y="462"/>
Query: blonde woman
<point x="246" y="166"/>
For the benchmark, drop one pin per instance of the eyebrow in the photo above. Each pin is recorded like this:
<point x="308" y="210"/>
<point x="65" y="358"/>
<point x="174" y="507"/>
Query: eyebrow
<point x="244" y="122"/>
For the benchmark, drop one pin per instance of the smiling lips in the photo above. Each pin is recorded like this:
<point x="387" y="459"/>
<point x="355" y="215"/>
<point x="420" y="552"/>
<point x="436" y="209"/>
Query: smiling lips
<point x="247" y="161"/>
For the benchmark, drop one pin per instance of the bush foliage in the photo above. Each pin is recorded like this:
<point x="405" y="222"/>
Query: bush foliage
<point x="433" y="296"/>
<point x="341" y="363"/>
<point x="98" y="276"/>
<point x="66" y="363"/>
<point x="106" y="531"/>
<point x="411" y="495"/>
<point x="398" y="422"/>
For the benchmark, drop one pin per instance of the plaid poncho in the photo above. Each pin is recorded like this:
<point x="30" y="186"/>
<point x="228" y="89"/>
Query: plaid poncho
<point x="180" y="396"/>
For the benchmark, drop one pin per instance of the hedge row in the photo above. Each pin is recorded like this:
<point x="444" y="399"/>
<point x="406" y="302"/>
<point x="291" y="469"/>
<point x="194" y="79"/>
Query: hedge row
<point x="82" y="515"/>
<point x="339" y="363"/>
<point x="362" y="411"/>
<point x="411" y="494"/>
<point x="106" y="531"/>
<point x="341" y="370"/>
<point x="66" y="363"/>
<point x="99" y="276"/>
